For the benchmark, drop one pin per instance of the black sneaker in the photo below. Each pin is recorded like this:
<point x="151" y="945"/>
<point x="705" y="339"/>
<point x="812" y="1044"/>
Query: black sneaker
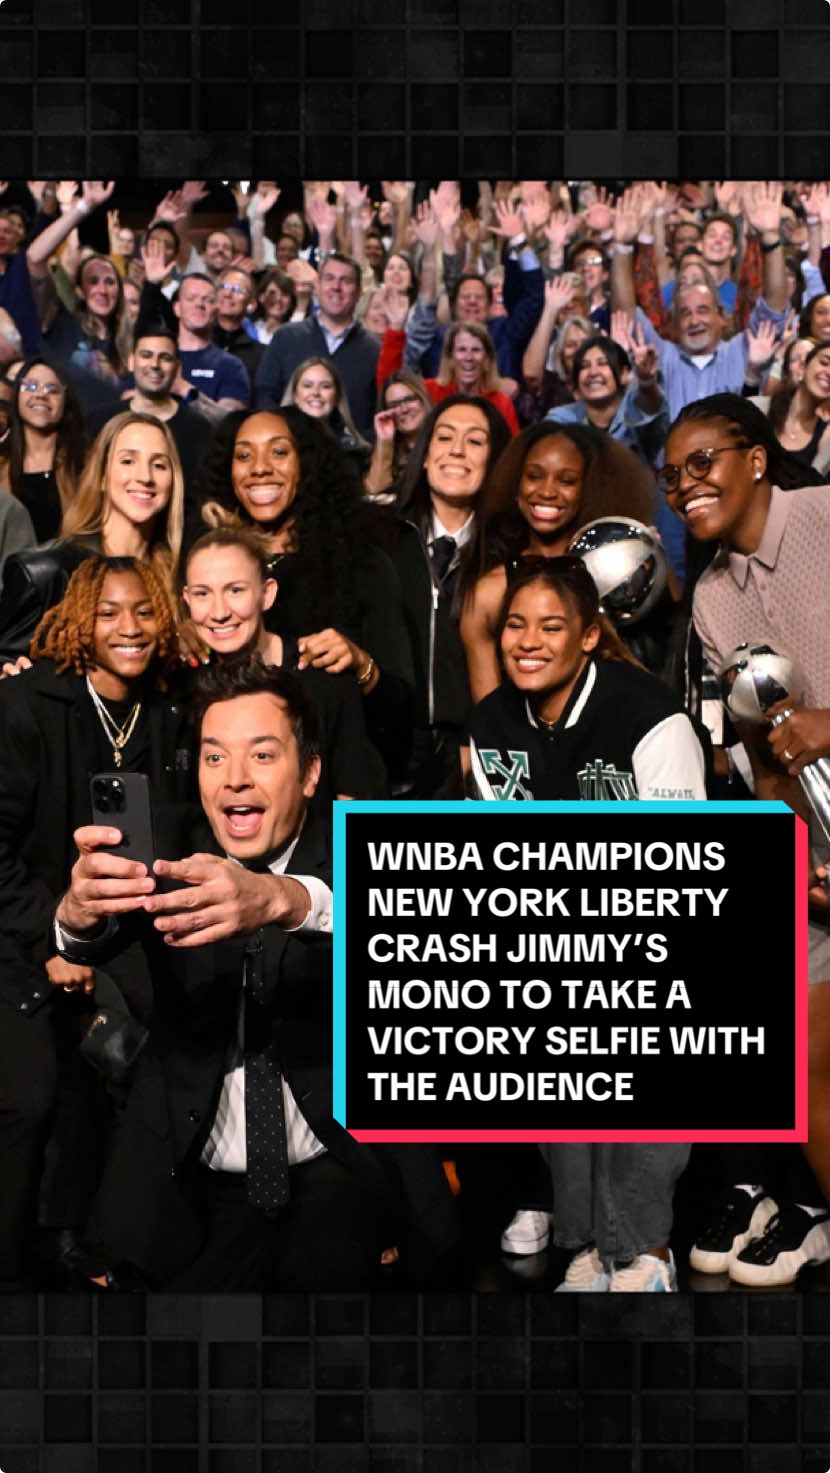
<point x="736" y="1218"/>
<point x="792" y="1240"/>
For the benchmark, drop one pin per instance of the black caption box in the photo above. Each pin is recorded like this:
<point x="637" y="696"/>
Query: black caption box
<point x="591" y="971"/>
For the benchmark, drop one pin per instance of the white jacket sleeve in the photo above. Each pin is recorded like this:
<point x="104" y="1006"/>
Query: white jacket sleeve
<point x="668" y="763"/>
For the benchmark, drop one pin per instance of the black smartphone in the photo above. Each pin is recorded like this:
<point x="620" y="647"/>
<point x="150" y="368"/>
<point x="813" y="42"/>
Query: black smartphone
<point x="121" y="800"/>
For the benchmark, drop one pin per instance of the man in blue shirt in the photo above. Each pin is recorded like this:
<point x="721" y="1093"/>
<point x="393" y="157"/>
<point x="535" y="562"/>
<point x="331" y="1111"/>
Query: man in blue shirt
<point x="218" y="381"/>
<point x="719" y="249"/>
<point x="699" y="362"/>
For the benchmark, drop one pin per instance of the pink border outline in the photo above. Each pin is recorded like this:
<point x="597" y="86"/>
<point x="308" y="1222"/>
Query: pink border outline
<point x="798" y="1132"/>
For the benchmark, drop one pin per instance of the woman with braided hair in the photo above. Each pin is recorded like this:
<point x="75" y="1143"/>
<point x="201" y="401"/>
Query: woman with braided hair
<point x="93" y="701"/>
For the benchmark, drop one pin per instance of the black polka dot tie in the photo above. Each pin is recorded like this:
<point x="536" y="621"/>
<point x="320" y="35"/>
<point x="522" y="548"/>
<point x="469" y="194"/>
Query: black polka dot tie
<point x="264" y="1115"/>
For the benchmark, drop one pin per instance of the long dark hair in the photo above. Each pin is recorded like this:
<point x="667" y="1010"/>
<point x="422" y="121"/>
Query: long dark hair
<point x="414" y="501"/>
<point x="570" y="580"/>
<point x="783" y="396"/>
<point x="746" y="425"/>
<point x="71" y="442"/>
<point x="332" y="523"/>
<point x="805" y="321"/>
<point x="616" y="481"/>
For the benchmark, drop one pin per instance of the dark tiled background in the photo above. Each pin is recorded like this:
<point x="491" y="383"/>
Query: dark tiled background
<point x="443" y="1383"/>
<point x="415" y="88"/>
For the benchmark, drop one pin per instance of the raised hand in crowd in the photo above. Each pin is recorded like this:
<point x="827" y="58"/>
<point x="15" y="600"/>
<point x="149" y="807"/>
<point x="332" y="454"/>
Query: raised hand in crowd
<point x="446" y="204"/>
<point x="599" y="214"/>
<point x="425" y="224"/>
<point x="644" y="355"/>
<point x="509" y="220"/>
<point x="762" y="205"/>
<point x="323" y="217"/>
<point x="153" y="259"/>
<point x="396" y="306"/>
<point x="761" y="346"/>
<point x="728" y="197"/>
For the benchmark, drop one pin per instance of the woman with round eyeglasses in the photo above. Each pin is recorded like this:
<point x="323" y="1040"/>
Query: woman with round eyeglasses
<point x="403" y="404"/>
<point x="47" y="444"/>
<point x="735" y="488"/>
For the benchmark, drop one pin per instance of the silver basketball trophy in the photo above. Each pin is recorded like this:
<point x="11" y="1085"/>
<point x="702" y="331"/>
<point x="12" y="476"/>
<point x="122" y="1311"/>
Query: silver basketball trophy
<point x="627" y="563"/>
<point x="753" y="678"/>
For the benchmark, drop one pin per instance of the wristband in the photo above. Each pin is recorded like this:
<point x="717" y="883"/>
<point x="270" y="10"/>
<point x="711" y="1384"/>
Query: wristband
<point x="768" y="249"/>
<point x="659" y="213"/>
<point x="814" y="219"/>
<point x="644" y="382"/>
<point x="517" y="240"/>
<point x="368" y="672"/>
<point x="81" y="207"/>
<point x="622" y="248"/>
<point x="645" y="240"/>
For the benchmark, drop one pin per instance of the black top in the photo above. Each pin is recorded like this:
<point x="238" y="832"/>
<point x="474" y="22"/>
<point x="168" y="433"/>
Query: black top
<point x="806" y="455"/>
<point x="38" y="490"/>
<point x="379" y="627"/>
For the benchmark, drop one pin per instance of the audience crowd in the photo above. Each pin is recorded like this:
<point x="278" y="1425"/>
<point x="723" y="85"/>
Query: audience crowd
<point x="289" y="481"/>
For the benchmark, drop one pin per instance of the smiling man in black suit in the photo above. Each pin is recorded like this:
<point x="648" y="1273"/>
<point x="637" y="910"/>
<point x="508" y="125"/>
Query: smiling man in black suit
<point x="229" y="1171"/>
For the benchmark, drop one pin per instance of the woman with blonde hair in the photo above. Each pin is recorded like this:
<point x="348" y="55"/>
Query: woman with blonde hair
<point x="129" y="503"/>
<point x="317" y="389"/>
<point x="467" y="366"/>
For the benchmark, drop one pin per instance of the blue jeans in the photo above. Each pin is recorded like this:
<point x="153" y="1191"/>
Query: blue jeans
<point x="616" y="1195"/>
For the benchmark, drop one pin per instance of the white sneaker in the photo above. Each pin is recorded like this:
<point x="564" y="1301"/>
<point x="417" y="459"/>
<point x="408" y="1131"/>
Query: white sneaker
<point x="645" y="1275"/>
<point x="585" y="1275"/>
<point x="528" y="1232"/>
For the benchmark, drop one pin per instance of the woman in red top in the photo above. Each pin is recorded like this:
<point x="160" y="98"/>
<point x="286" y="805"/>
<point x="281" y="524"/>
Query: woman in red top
<point x="468" y="366"/>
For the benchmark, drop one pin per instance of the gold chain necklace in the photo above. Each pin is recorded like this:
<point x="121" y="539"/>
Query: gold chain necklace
<point x="117" y="736"/>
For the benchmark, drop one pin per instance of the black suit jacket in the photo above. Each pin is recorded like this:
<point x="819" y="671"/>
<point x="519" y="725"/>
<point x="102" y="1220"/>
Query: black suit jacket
<point x="145" y="1212"/>
<point x="46" y="755"/>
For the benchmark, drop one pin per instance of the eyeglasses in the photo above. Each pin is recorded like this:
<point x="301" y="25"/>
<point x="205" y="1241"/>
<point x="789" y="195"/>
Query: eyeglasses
<point x="697" y="465"/>
<point x="31" y="386"/>
<point x="238" y="291"/>
<point x="404" y="403"/>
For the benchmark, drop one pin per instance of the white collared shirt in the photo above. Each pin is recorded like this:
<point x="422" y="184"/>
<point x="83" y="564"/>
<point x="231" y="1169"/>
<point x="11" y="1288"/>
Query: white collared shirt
<point x="460" y="537"/>
<point x="225" y="1148"/>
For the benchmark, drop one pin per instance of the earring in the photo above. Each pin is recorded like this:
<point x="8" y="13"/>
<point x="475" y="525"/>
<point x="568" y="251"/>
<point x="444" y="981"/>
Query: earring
<point x="757" y="475"/>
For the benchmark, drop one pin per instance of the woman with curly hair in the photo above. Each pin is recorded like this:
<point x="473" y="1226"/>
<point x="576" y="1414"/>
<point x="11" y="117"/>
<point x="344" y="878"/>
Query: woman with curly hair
<point x="550" y="481"/>
<point x="129" y="502"/>
<point x="92" y="702"/>
<point x="284" y="474"/>
<point x="47" y="444"/>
